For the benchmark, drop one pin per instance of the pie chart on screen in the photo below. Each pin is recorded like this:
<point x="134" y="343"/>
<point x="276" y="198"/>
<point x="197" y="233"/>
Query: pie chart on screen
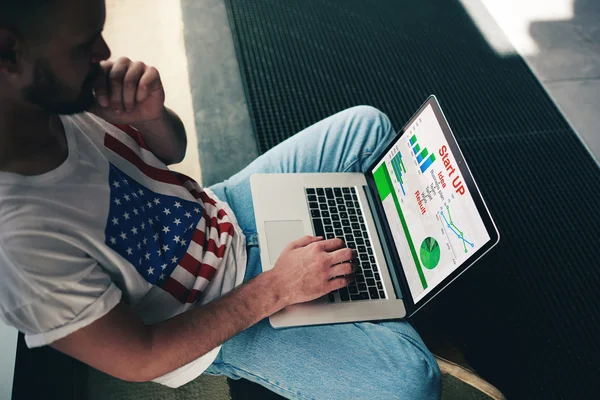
<point x="430" y="253"/>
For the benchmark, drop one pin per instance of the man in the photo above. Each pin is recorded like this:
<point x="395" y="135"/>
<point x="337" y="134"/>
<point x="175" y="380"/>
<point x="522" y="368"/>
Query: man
<point x="111" y="258"/>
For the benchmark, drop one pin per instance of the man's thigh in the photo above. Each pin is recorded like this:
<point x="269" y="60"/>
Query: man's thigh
<point x="348" y="141"/>
<point x="387" y="360"/>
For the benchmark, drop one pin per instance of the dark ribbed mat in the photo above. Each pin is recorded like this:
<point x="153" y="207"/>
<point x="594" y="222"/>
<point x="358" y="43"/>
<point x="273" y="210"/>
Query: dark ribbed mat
<point x="528" y="314"/>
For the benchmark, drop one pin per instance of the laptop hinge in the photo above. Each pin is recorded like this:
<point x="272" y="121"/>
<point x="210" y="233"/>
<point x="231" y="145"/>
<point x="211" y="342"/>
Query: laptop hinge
<point x="385" y="246"/>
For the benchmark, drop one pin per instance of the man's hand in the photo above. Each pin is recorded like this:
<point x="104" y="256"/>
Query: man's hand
<point x="128" y="93"/>
<point x="131" y="93"/>
<point x="311" y="267"/>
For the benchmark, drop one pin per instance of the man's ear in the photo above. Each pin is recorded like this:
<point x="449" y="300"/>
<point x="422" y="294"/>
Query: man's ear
<point x="9" y="47"/>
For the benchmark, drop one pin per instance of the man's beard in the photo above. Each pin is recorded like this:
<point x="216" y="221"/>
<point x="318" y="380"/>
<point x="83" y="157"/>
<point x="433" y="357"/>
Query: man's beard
<point x="47" y="90"/>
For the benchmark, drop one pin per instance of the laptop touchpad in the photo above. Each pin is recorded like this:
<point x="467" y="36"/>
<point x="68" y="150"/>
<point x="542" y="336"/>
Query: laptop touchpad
<point x="280" y="234"/>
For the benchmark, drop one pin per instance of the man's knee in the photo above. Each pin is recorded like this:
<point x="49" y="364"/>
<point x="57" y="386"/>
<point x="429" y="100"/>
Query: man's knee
<point x="414" y="378"/>
<point x="424" y="380"/>
<point x="376" y="121"/>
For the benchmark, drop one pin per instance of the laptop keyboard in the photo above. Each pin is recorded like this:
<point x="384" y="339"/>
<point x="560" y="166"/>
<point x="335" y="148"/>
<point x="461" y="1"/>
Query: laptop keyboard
<point x="336" y="213"/>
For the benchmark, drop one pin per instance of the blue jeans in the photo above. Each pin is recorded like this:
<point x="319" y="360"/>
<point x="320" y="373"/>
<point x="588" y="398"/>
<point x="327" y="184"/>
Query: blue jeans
<point x="386" y="360"/>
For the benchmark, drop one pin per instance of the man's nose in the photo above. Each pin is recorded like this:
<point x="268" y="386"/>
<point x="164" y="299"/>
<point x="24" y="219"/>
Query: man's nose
<point x="101" y="51"/>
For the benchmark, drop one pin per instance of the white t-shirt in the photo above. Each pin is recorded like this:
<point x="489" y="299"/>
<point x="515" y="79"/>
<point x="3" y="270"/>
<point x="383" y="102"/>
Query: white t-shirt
<point x="112" y="222"/>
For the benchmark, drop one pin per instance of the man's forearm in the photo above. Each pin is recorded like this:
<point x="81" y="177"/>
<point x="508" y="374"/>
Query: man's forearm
<point x="165" y="137"/>
<point x="202" y="329"/>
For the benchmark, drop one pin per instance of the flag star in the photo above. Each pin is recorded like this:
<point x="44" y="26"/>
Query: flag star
<point x="183" y="242"/>
<point x="126" y="216"/>
<point x="158" y="252"/>
<point x="149" y="204"/>
<point x="163" y="266"/>
<point x="143" y="208"/>
<point x="147" y="255"/>
<point x="123" y="235"/>
<point x="139" y="246"/>
<point x="116" y="184"/>
<point x="156" y="201"/>
<point x="135" y="211"/>
<point x="177" y="221"/>
<point x="150" y="221"/>
<point x="155" y="237"/>
<point x="166" y="229"/>
<point x="143" y="225"/>
<point x="117" y="202"/>
<point x="191" y="226"/>
<point x="176" y="239"/>
<point x="196" y="210"/>
<point x="113" y="240"/>
<point x="167" y="211"/>
<point x="115" y="221"/>
<point x="125" y="181"/>
<point x="174" y="260"/>
<point x="145" y="241"/>
<point x="126" y="197"/>
<point x="135" y="195"/>
<point x="177" y="204"/>
<point x="150" y="271"/>
<point x="129" y="251"/>
<point x="187" y="214"/>
<point x="156" y="218"/>
<point x="166" y="247"/>
<point x="162" y="276"/>
<point x="134" y="230"/>
<point x="141" y="192"/>
<point x="140" y="261"/>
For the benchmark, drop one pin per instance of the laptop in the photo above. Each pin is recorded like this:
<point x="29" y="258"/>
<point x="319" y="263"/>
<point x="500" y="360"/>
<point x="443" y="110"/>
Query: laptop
<point x="416" y="219"/>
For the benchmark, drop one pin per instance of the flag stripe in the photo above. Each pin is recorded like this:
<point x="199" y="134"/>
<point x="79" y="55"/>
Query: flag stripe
<point x="197" y="268"/>
<point x="183" y="276"/>
<point x="157" y="174"/>
<point x="199" y="237"/>
<point x="196" y="250"/>
<point x="190" y="264"/>
<point x="211" y="258"/>
<point x="194" y="294"/>
<point x="195" y="189"/>
<point x="226" y="227"/>
<point x="200" y="284"/>
<point x="133" y="133"/>
<point x="176" y="290"/>
<point x="212" y="247"/>
<point x="207" y="271"/>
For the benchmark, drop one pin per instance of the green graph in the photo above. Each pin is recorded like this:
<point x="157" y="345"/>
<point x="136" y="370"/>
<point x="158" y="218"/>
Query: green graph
<point x="456" y="230"/>
<point x="424" y="158"/>
<point x="430" y="253"/>
<point x="399" y="170"/>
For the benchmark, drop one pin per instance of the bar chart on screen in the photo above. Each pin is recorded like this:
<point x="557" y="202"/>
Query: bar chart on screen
<point x="423" y="157"/>
<point x="399" y="170"/>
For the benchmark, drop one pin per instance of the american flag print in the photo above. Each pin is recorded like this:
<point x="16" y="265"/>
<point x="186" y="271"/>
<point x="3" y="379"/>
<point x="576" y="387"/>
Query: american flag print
<point x="174" y="243"/>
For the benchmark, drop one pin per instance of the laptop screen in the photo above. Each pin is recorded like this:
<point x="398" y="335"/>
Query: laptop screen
<point x="430" y="211"/>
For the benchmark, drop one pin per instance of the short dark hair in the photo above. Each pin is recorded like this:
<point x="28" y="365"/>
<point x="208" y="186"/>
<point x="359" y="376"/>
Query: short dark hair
<point x="27" y="18"/>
